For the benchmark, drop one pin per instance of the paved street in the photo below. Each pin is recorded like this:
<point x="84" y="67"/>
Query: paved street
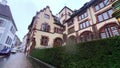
<point x="18" y="60"/>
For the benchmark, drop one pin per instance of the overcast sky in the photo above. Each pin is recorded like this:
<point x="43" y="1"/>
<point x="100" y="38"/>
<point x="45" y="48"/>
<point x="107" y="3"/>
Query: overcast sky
<point x="24" y="10"/>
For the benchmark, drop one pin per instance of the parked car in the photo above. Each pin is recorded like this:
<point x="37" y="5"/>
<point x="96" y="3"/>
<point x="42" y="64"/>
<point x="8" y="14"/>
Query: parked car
<point x="14" y="50"/>
<point x="5" y="51"/>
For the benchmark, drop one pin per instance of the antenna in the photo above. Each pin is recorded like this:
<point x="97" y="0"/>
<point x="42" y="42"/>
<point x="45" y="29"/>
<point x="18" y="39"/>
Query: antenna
<point x="4" y="2"/>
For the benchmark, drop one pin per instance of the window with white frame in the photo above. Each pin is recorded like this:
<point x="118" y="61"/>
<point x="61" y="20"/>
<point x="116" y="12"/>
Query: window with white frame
<point x="8" y="40"/>
<point x="12" y="29"/>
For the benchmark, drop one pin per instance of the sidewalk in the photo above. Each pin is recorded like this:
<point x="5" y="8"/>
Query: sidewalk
<point x="39" y="64"/>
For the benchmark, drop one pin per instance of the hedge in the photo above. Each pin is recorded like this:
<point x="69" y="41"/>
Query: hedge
<point x="104" y="53"/>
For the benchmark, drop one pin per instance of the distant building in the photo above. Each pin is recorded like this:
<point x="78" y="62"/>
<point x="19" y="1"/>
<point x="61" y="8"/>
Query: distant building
<point x="23" y="44"/>
<point x="7" y="26"/>
<point x="16" y="41"/>
<point x="92" y="21"/>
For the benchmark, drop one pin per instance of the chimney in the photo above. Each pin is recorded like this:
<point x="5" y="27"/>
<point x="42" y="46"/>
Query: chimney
<point x="4" y="2"/>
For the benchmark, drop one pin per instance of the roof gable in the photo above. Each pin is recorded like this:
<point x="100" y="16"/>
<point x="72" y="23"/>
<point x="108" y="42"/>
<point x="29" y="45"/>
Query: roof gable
<point x="64" y="8"/>
<point x="5" y="12"/>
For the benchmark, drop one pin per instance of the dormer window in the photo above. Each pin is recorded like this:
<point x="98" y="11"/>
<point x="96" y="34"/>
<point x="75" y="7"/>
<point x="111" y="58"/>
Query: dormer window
<point x="47" y="16"/>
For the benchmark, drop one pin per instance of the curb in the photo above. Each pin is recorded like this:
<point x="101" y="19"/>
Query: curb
<point x="48" y="65"/>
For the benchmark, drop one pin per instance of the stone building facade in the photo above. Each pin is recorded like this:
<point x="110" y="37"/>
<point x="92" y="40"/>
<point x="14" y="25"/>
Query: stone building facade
<point x="92" y="21"/>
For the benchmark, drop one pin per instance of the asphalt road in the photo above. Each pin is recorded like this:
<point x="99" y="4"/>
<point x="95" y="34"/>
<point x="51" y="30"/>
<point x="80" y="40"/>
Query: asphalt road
<point x="20" y="60"/>
<point x="17" y="60"/>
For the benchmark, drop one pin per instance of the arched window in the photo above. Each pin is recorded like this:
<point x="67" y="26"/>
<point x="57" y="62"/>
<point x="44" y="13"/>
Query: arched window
<point x="45" y="27"/>
<point x="71" y="40"/>
<point x="58" y="42"/>
<point x="86" y="36"/>
<point x="109" y="31"/>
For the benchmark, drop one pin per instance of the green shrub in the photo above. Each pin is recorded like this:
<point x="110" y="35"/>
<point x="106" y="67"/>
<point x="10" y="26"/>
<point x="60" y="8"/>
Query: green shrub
<point x="102" y="53"/>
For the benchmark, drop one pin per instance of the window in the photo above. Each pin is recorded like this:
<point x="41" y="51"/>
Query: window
<point x="57" y="30"/>
<point x="103" y="35"/>
<point x="106" y="2"/>
<point x="97" y="8"/>
<point x="71" y="30"/>
<point x="84" y="25"/>
<point x="81" y="26"/>
<point x="47" y="16"/>
<point x="57" y="42"/>
<point x="45" y="27"/>
<point x="82" y="16"/>
<point x="100" y="18"/>
<point x="104" y="16"/>
<point x="70" y="22"/>
<point x="114" y="31"/>
<point x="87" y="24"/>
<point x="44" y="40"/>
<point x="101" y="5"/>
<point x="12" y="29"/>
<point x="86" y="36"/>
<point x="109" y="31"/>
<point x="79" y="18"/>
<point x="85" y="14"/>
<point x="2" y="24"/>
<point x="110" y="12"/>
<point x="8" y="41"/>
